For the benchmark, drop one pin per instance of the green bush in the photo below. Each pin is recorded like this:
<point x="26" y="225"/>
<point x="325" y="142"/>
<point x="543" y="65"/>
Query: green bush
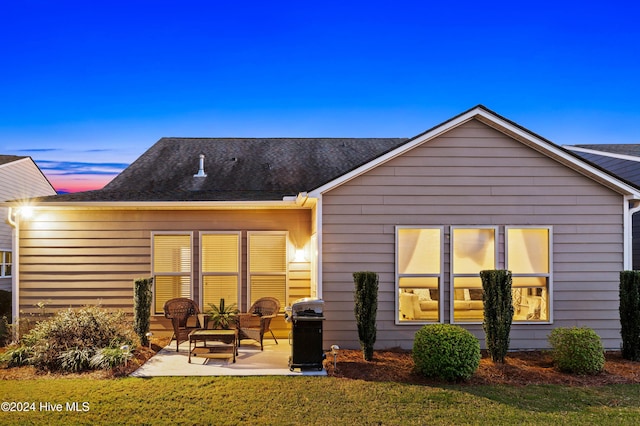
<point x="16" y="356"/>
<point x="106" y="358"/>
<point x="446" y="351"/>
<point x="630" y="314"/>
<point x="577" y="350"/>
<point x="5" y="331"/>
<point x="75" y="359"/>
<point x="142" y="299"/>
<point x="72" y="337"/>
<point x="366" y="309"/>
<point x="498" y="311"/>
<point x="5" y="304"/>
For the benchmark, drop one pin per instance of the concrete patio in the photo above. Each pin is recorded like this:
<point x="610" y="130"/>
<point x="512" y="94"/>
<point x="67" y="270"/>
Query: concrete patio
<point x="250" y="361"/>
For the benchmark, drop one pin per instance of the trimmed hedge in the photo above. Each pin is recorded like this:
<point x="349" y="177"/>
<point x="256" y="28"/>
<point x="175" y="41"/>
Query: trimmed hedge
<point x="446" y="351"/>
<point x="630" y="314"/>
<point x="366" y="309"/>
<point x="5" y="305"/>
<point x="142" y="299"/>
<point x="498" y="311"/>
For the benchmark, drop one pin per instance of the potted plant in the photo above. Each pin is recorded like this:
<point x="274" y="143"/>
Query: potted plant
<point x="223" y="316"/>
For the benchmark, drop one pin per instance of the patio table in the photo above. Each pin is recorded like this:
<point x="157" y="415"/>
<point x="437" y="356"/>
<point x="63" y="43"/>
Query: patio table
<point x="228" y="337"/>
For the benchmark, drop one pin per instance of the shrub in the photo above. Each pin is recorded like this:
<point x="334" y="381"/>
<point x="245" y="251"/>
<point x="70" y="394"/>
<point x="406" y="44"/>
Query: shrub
<point x="142" y="299"/>
<point x="70" y="339"/>
<point x="630" y="314"/>
<point x="16" y="356"/>
<point x="366" y="309"/>
<point x="106" y="358"/>
<point x="498" y="311"/>
<point x="5" y="331"/>
<point x="577" y="350"/>
<point x="75" y="359"/>
<point x="446" y="351"/>
<point x="5" y="304"/>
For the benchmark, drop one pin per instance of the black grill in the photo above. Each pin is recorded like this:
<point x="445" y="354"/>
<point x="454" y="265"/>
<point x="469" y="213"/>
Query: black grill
<point x="305" y="338"/>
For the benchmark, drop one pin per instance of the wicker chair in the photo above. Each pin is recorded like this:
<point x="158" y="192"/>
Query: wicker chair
<point x="257" y="322"/>
<point x="179" y="311"/>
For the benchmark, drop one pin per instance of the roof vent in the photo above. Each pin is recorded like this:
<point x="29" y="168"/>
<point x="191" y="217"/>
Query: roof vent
<point x="201" y="172"/>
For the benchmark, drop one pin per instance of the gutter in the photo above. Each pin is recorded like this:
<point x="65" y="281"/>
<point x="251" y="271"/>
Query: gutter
<point x="13" y="220"/>
<point x="631" y="206"/>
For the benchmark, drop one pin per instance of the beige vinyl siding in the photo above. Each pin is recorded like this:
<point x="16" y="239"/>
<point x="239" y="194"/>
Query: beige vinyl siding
<point x="474" y="175"/>
<point x="89" y="256"/>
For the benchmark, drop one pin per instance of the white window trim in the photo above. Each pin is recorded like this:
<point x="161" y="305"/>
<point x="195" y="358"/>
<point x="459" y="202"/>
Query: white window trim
<point x="549" y="275"/>
<point x="153" y="273"/>
<point x="3" y="263"/>
<point x="496" y="261"/>
<point x="439" y="276"/>
<point x="286" y="272"/>
<point x="203" y="274"/>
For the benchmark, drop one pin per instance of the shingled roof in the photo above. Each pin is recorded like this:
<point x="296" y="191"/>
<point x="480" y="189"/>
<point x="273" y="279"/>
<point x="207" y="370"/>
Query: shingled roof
<point x="238" y="169"/>
<point x="622" y="160"/>
<point x="5" y="159"/>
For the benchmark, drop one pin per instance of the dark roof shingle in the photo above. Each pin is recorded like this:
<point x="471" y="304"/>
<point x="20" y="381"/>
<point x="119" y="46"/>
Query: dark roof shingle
<point x="238" y="169"/>
<point x="4" y="159"/>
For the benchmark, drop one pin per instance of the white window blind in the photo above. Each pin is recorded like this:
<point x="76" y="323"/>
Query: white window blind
<point x="171" y="268"/>
<point x="528" y="257"/>
<point x="267" y="266"/>
<point x="418" y="273"/>
<point x="220" y="268"/>
<point x="472" y="250"/>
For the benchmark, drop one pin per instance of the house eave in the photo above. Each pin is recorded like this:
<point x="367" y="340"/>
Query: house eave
<point x="165" y="205"/>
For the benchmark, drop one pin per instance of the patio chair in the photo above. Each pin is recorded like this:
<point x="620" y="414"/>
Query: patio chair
<point x="179" y="311"/>
<point x="255" y="323"/>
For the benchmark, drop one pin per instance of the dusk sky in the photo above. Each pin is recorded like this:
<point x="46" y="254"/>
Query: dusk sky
<point x="87" y="87"/>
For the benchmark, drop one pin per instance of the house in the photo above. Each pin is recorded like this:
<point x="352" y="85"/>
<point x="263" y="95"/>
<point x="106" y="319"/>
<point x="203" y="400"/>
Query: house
<point x="242" y="218"/>
<point x="623" y="161"/>
<point x="20" y="178"/>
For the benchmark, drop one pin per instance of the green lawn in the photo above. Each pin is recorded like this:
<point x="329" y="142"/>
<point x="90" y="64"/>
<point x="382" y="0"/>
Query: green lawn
<point x="310" y="401"/>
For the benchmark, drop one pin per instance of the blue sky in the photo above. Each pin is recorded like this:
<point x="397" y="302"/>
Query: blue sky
<point x="87" y="87"/>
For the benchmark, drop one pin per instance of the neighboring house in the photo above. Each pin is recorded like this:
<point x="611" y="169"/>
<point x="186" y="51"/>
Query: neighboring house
<point x="242" y="218"/>
<point x="20" y="178"/>
<point x="623" y="160"/>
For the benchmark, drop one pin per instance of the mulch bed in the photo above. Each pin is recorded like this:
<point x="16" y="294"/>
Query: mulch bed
<point x="520" y="368"/>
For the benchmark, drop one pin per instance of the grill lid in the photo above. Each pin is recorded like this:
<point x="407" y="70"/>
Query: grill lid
<point x="308" y="307"/>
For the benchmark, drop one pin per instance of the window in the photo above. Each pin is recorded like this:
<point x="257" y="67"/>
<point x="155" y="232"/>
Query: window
<point x="528" y="257"/>
<point x="418" y="273"/>
<point x="5" y="263"/>
<point x="472" y="250"/>
<point x="171" y="268"/>
<point x="267" y="266"/>
<point x="220" y="268"/>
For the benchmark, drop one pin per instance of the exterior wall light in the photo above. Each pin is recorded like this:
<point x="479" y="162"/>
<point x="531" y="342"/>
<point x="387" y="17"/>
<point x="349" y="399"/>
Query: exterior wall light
<point x="25" y="212"/>
<point x="334" y="352"/>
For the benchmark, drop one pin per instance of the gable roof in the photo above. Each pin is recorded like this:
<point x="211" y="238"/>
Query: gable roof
<point x="238" y="169"/>
<point x="270" y="169"/>
<point x="511" y="129"/>
<point x="623" y="160"/>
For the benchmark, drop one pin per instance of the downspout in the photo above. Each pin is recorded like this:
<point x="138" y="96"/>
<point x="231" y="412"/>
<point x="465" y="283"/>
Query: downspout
<point x="14" y="221"/>
<point x="631" y="206"/>
<point x="319" y="245"/>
